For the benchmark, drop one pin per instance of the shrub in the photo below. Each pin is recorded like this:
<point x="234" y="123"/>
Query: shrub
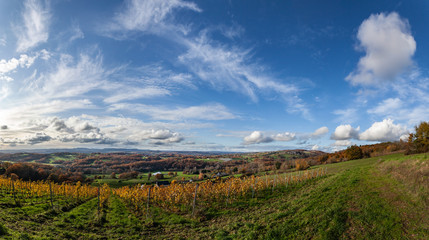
<point x="159" y="176"/>
<point x="353" y="152"/>
<point x="3" y="230"/>
<point x="126" y="175"/>
<point x="301" y="164"/>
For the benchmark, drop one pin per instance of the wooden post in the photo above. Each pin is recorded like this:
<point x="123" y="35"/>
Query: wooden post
<point x="98" y="198"/>
<point x="50" y="190"/>
<point x="13" y="191"/>
<point x="274" y="182"/>
<point x="195" y="199"/>
<point x="148" y="200"/>
<point x="253" y="190"/>
<point x="266" y="181"/>
<point x="227" y="195"/>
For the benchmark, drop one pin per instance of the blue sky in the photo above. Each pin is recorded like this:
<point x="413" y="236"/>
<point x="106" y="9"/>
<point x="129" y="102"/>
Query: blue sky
<point x="211" y="75"/>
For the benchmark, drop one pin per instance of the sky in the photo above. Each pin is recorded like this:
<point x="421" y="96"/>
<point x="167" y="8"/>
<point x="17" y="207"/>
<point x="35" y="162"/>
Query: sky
<point x="211" y="75"/>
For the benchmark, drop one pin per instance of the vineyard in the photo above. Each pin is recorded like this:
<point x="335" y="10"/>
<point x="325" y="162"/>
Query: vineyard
<point x="175" y="197"/>
<point x="183" y="197"/>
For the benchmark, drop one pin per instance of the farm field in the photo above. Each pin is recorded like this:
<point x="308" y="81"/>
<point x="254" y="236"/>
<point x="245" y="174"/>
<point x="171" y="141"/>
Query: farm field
<point x="382" y="197"/>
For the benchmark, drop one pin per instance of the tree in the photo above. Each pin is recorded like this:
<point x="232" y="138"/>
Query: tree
<point x="419" y="141"/>
<point x="278" y="165"/>
<point x="353" y="152"/>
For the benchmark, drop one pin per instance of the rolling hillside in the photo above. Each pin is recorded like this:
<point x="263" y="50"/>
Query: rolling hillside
<point x="383" y="197"/>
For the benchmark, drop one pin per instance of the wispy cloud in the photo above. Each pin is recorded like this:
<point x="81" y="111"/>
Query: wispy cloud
<point x="203" y="112"/>
<point x="129" y="93"/>
<point x="34" y="30"/>
<point x="224" y="67"/>
<point x="146" y="16"/>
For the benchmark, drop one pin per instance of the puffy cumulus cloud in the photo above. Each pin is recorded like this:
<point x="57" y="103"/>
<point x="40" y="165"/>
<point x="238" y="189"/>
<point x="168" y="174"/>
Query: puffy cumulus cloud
<point x="389" y="47"/>
<point x="147" y="15"/>
<point x="35" y="28"/>
<point x="259" y="137"/>
<point x="384" y="131"/>
<point x="345" y="132"/>
<point x="161" y="136"/>
<point x="37" y="138"/>
<point x="29" y="139"/>
<point x="256" y="137"/>
<point x="285" y="137"/>
<point x="90" y="137"/>
<point x="7" y="66"/>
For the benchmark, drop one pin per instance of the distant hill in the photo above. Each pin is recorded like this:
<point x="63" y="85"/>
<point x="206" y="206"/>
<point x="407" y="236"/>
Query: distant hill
<point x="111" y="150"/>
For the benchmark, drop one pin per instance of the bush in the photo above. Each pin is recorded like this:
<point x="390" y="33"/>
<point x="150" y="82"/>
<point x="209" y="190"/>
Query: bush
<point x="353" y="152"/>
<point x="159" y="176"/>
<point x="301" y="164"/>
<point x="128" y="175"/>
<point x="3" y="230"/>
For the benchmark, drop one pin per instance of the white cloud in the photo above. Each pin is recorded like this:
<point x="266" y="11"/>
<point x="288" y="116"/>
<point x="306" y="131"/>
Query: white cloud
<point x="285" y="137"/>
<point x="204" y="112"/>
<point x="228" y="68"/>
<point x="3" y="41"/>
<point x="147" y="15"/>
<point x="384" y="131"/>
<point x="75" y="33"/>
<point x="24" y="61"/>
<point x="131" y="93"/>
<point x="73" y="78"/>
<point x="256" y="137"/>
<point x="34" y="30"/>
<point x="320" y="132"/>
<point x="342" y="143"/>
<point x="315" y="147"/>
<point x="389" y="47"/>
<point x="345" y="132"/>
<point x="161" y="136"/>
<point x="387" y="107"/>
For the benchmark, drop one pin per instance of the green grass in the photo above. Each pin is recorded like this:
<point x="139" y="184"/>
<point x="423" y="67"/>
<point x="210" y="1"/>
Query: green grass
<point x="209" y="159"/>
<point x="383" y="197"/>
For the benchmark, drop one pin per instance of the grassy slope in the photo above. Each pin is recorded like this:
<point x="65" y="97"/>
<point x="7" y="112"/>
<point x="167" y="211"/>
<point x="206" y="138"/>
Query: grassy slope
<point x="378" y="198"/>
<point x="360" y="199"/>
